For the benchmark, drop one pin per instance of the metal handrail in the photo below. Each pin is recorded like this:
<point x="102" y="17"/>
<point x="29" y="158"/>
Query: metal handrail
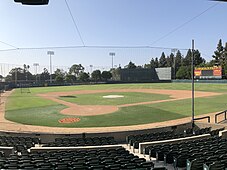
<point x="216" y="116"/>
<point x="205" y="117"/>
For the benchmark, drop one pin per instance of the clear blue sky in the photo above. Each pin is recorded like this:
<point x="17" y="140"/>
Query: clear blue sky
<point x="108" y="23"/>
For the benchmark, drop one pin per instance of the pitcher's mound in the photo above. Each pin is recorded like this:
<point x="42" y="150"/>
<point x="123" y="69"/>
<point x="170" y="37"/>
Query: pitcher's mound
<point x="89" y="110"/>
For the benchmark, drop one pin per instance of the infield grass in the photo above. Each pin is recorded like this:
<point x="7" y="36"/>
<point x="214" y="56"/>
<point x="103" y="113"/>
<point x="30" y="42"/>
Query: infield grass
<point x="128" y="97"/>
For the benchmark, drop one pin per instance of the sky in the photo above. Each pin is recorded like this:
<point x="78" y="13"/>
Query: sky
<point x="107" y="23"/>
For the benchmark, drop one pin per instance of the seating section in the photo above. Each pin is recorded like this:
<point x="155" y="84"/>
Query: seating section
<point x="207" y="154"/>
<point x="72" y="141"/>
<point x="112" y="159"/>
<point x="196" y="154"/>
<point x="21" y="144"/>
<point x="216" y="131"/>
<point x="134" y="140"/>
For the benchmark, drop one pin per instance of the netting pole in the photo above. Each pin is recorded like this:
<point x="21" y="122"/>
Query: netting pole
<point x="193" y="87"/>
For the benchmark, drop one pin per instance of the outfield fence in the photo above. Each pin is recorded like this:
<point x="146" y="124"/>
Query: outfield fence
<point x="201" y="81"/>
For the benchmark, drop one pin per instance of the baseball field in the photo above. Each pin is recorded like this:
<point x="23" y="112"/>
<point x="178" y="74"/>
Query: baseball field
<point x="112" y="104"/>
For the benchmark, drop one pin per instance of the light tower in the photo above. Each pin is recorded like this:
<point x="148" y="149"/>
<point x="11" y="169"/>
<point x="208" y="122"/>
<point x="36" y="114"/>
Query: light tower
<point x="112" y="54"/>
<point x="50" y="53"/>
<point x="36" y="65"/>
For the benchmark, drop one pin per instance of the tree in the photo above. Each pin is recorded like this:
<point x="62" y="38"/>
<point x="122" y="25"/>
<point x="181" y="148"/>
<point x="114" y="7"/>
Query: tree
<point x="106" y="75"/>
<point x="156" y="63"/>
<point x="130" y="65"/>
<point x="147" y="65"/>
<point x="151" y="64"/>
<point x="211" y="63"/>
<point x="224" y="61"/>
<point x="116" y="74"/>
<point x="224" y="55"/>
<point x="19" y="74"/>
<point x="83" y="77"/>
<point x="96" y="75"/>
<point x="170" y="60"/>
<point x="183" y="72"/>
<point x="162" y="60"/>
<point x="218" y="54"/>
<point x="178" y="60"/>
<point x="76" y="69"/>
<point x="69" y="78"/>
<point x="26" y="72"/>
<point x="45" y="75"/>
<point x="59" y="75"/>
<point x="188" y="58"/>
<point x="26" y="68"/>
<point x="198" y="60"/>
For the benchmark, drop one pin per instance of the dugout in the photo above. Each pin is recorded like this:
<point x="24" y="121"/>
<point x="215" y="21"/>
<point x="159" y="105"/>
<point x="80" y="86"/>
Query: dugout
<point x="146" y="74"/>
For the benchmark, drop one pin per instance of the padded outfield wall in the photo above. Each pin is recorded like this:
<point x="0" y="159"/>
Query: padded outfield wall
<point x="146" y="75"/>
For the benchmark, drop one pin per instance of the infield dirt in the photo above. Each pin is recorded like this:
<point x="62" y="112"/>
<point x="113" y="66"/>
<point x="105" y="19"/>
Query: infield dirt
<point x="91" y="110"/>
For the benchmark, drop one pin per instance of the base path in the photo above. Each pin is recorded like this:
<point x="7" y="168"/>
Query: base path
<point x="8" y="126"/>
<point x="92" y="110"/>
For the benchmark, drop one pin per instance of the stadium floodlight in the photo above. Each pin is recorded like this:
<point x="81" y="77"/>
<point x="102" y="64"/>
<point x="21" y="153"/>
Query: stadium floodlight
<point x="50" y="53"/>
<point x="33" y="2"/>
<point x="112" y="54"/>
<point x="36" y="65"/>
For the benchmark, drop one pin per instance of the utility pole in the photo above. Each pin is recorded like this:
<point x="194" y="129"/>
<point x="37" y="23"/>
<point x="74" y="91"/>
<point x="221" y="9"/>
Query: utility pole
<point x="16" y="76"/>
<point x="174" y="62"/>
<point x="193" y="87"/>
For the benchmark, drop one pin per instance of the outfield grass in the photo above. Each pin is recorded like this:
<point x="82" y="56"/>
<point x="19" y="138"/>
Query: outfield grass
<point x="129" y="97"/>
<point x="33" y="110"/>
<point x="169" y="86"/>
<point x="18" y="101"/>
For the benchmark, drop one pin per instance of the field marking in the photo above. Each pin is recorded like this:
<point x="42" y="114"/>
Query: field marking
<point x="92" y="110"/>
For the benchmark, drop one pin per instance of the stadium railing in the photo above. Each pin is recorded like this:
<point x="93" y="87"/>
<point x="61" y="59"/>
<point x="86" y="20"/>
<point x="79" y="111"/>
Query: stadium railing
<point x="205" y="117"/>
<point x="223" y="113"/>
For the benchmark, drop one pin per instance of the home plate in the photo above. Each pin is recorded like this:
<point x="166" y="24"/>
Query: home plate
<point x="112" y="96"/>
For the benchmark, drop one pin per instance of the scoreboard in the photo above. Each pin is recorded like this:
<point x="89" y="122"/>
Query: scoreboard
<point x="208" y="73"/>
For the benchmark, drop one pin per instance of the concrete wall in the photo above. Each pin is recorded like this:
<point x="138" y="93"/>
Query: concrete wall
<point x="120" y="136"/>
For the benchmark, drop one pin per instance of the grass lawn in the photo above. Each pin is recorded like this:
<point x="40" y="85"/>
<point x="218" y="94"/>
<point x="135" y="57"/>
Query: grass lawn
<point x="18" y="101"/>
<point x="33" y="110"/>
<point x="170" y="86"/>
<point x="129" y="97"/>
<point x="49" y="116"/>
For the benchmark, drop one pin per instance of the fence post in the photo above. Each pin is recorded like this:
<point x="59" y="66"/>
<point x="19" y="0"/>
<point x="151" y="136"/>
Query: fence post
<point x="225" y="114"/>
<point x="216" y="118"/>
<point x="208" y="119"/>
